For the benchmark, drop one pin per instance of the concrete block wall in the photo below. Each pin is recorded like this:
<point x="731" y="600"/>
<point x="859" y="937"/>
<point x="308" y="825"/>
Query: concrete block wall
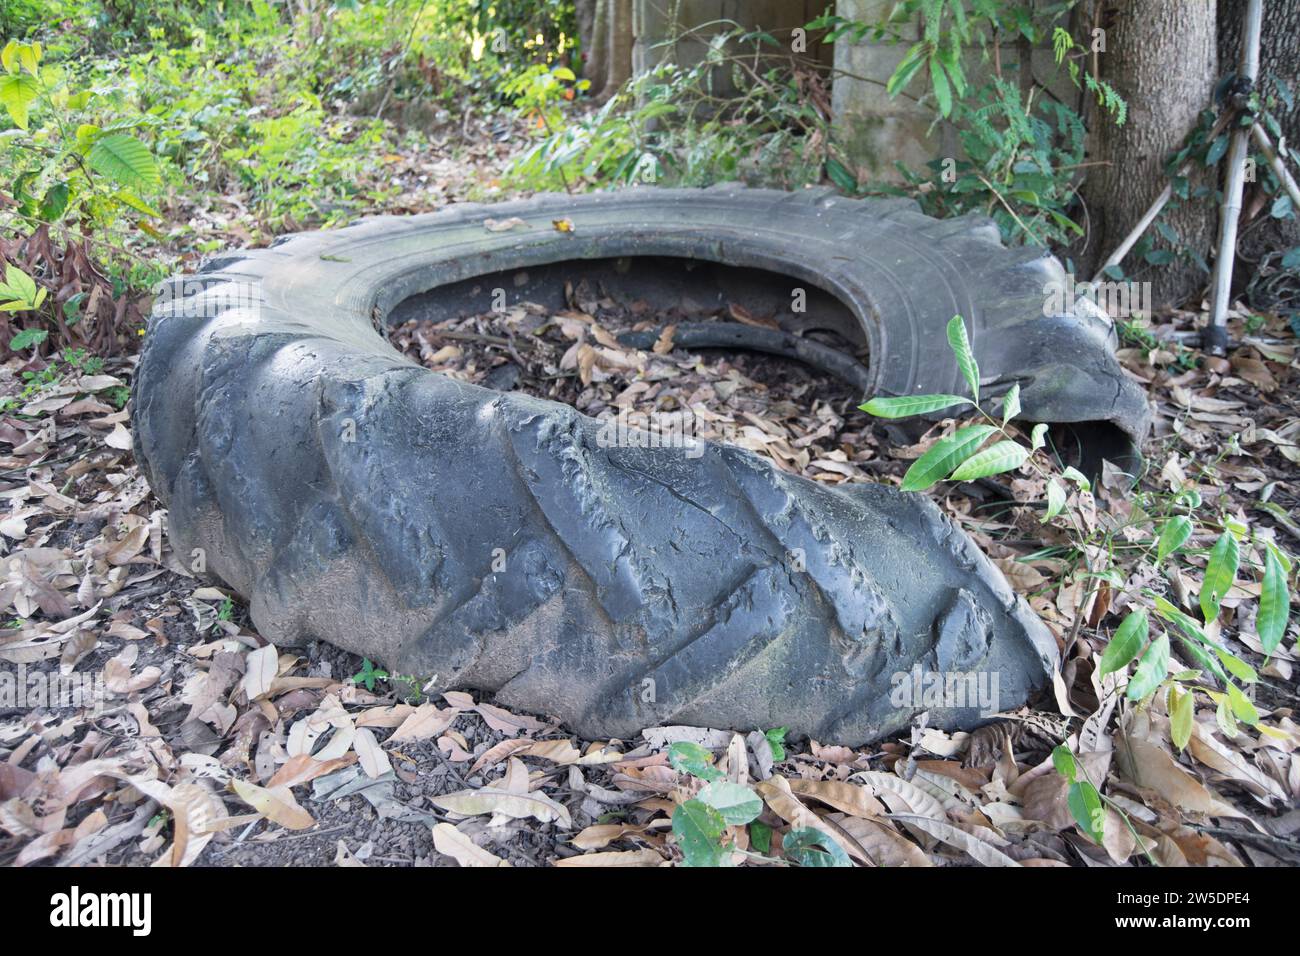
<point x="652" y="24"/>
<point x="880" y="130"/>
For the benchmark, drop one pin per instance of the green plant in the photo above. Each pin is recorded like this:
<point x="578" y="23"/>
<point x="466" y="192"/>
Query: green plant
<point x="1161" y="528"/>
<point x="776" y="740"/>
<point x="1136" y="331"/>
<point x="70" y="167"/>
<point x="18" y="293"/>
<point x="669" y="125"/>
<point x="414" y="692"/>
<point x="368" y="675"/>
<point x="700" y="823"/>
<point x="70" y="361"/>
<point x="1021" y="149"/>
<point x="1156" y="522"/>
<point x="77" y="174"/>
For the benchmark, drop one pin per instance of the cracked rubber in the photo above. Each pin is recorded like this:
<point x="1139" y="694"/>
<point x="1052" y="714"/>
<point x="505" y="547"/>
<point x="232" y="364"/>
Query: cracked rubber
<point x="493" y="541"/>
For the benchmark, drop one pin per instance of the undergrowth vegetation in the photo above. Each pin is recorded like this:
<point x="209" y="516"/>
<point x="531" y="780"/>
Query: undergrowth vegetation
<point x="758" y="108"/>
<point x="1115" y="552"/>
<point x="133" y="135"/>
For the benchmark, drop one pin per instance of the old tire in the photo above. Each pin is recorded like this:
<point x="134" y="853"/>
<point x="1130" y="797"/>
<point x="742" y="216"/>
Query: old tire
<point x="494" y="541"/>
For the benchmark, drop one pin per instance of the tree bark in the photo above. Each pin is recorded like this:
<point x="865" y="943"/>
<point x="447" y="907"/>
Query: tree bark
<point x="1279" y="59"/>
<point x="1161" y="56"/>
<point x="607" y="53"/>
<point x="620" y="45"/>
<point x="593" y="31"/>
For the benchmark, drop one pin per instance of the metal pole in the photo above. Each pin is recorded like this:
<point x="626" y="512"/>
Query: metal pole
<point x="1215" y="340"/>
<point x="1283" y="174"/>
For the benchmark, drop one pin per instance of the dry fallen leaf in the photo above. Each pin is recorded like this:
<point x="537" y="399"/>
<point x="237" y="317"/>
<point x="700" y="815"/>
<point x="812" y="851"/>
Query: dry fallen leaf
<point x="516" y="806"/>
<point x="373" y="760"/>
<point x="277" y="804"/>
<point x="451" y="842"/>
<point x="614" y="858"/>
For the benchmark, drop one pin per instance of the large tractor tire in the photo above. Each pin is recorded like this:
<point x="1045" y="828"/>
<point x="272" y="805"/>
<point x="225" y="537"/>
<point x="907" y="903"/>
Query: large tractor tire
<point x="494" y="541"/>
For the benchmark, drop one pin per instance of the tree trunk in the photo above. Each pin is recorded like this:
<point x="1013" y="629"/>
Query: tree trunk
<point x="1279" y="59"/>
<point x="1161" y="57"/>
<point x="620" y="45"/>
<point x="607" y="55"/>
<point x="593" y="32"/>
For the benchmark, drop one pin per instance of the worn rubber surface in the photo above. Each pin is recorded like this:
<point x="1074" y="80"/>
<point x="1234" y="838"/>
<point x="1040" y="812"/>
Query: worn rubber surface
<point x="496" y="542"/>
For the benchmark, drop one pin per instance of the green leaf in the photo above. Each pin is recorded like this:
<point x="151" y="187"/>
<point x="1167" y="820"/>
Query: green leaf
<point x="1151" y="670"/>
<point x="1181" y="712"/>
<point x="942" y="89"/>
<point x="1173" y="535"/>
<point x="21" y="285"/>
<point x="1086" y="808"/>
<point x="960" y="344"/>
<point x="840" y="176"/>
<point x="9" y="56"/>
<point x="698" y="827"/>
<point x="1274" y="602"/>
<point x="994" y="460"/>
<point x="944" y="455"/>
<point x="1220" y="573"/>
<point x="776" y="741"/>
<point x="1242" y="708"/>
<point x="86" y="135"/>
<point x="1063" y="761"/>
<point x="55" y="202"/>
<point x="29" y="54"/>
<point x="125" y="160"/>
<point x="760" y="837"/>
<point x="1125" y="643"/>
<point x="1055" y="499"/>
<point x="1185" y="622"/>
<point x="128" y="198"/>
<point x="1281" y="207"/>
<point x="1223" y="716"/>
<point x="736" y="805"/>
<point x="905" y="406"/>
<point x="27" y="338"/>
<point x="687" y="757"/>
<point x="17" y="91"/>
<point x="1203" y="657"/>
<point x="1236" y="666"/>
<point x="1078" y="477"/>
<point x="809" y="847"/>
<point x="1216" y="151"/>
<point x="901" y="76"/>
<point x="1011" y="404"/>
<point x="1038" y="437"/>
